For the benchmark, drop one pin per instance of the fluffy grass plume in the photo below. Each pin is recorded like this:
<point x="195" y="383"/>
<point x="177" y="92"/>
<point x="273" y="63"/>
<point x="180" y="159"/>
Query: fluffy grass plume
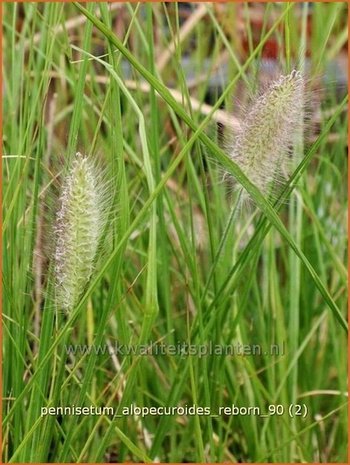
<point x="271" y="127"/>
<point x="79" y="224"/>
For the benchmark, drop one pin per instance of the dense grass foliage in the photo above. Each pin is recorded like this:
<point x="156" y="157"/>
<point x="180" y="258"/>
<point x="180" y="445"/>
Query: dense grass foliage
<point x="154" y="94"/>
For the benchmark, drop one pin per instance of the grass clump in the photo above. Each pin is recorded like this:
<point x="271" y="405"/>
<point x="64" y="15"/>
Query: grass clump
<point x="150" y="87"/>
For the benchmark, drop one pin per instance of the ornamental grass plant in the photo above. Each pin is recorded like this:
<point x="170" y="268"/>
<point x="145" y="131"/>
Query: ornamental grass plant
<point x="156" y="252"/>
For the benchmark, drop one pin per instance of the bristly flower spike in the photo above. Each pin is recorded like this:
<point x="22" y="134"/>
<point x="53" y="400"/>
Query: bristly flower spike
<point x="79" y="225"/>
<point x="263" y="145"/>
